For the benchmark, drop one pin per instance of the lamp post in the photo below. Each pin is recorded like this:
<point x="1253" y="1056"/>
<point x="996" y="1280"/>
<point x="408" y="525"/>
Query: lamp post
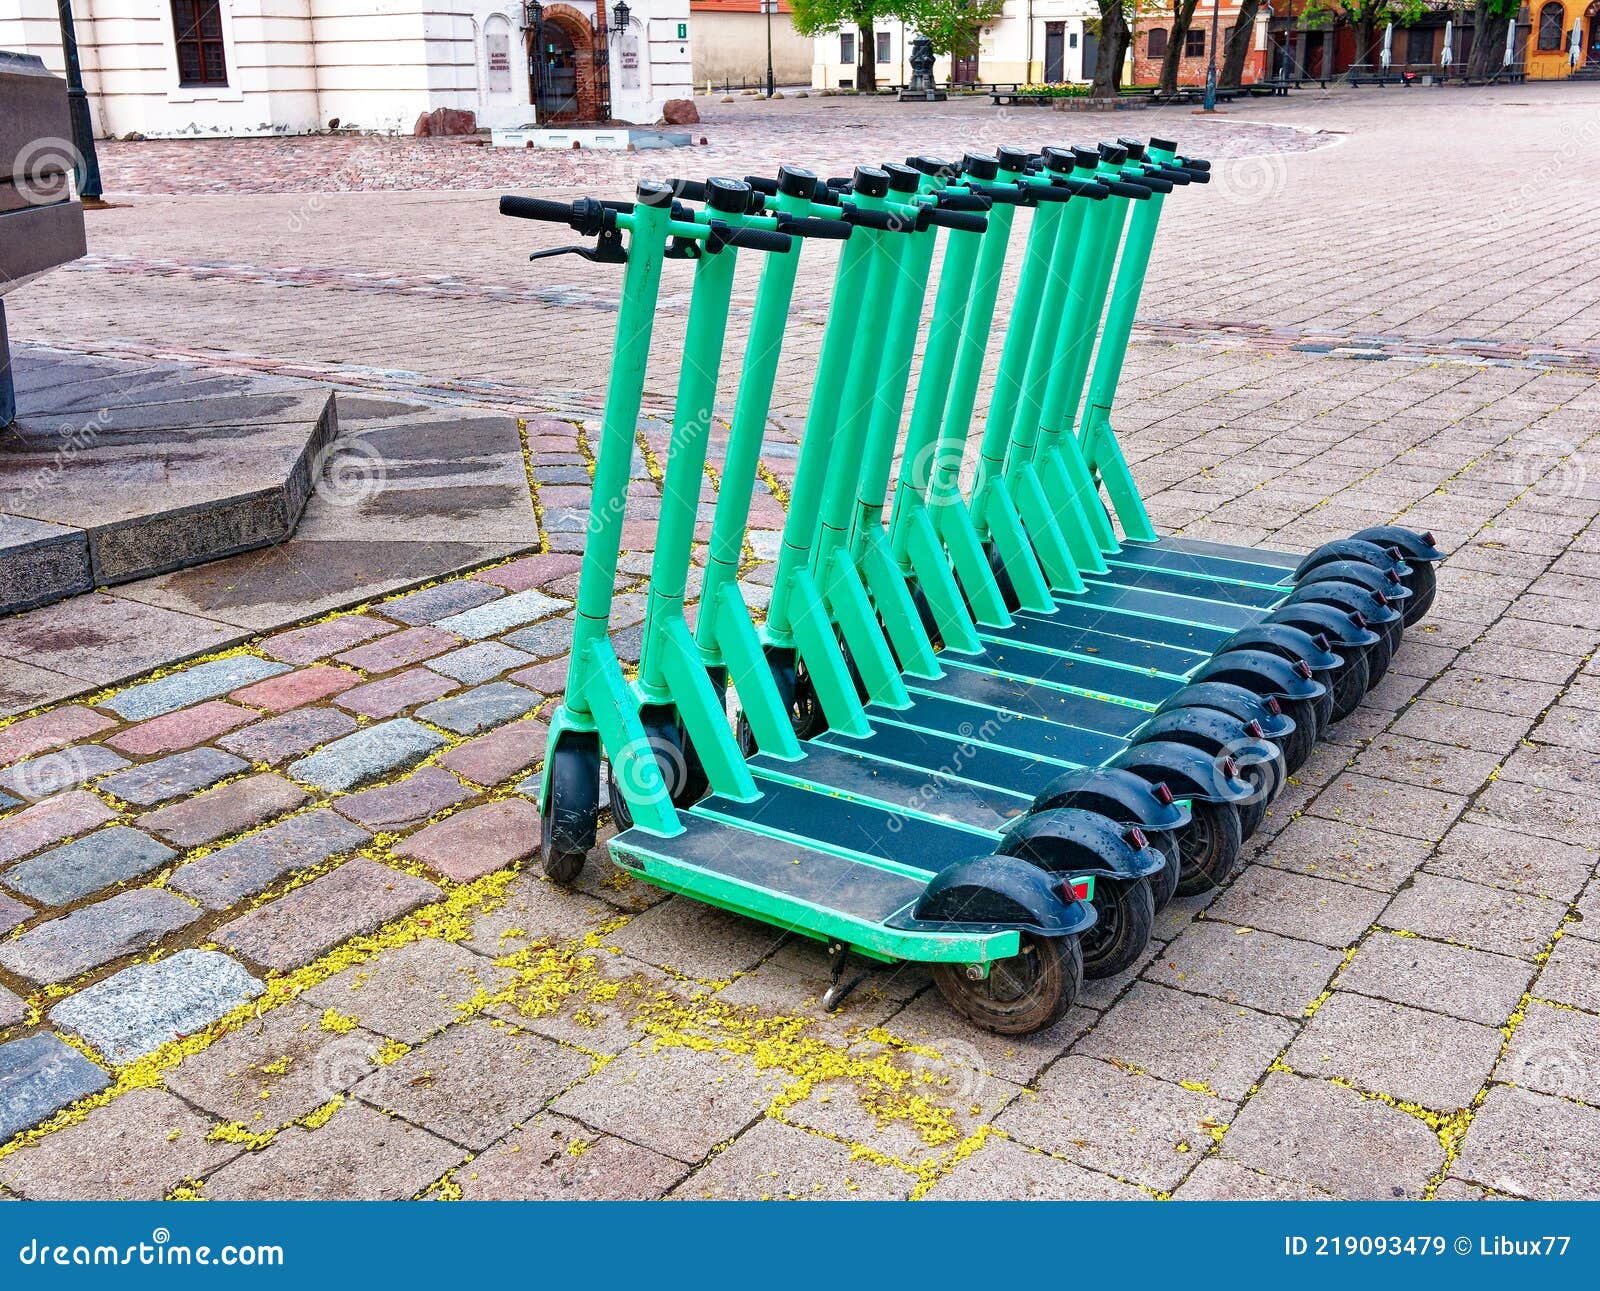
<point x="769" y="7"/>
<point x="89" y="189"/>
<point x="1210" y="104"/>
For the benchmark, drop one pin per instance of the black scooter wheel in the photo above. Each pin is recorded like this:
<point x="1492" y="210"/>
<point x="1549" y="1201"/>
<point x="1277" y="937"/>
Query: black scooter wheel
<point x="1027" y="992"/>
<point x="1210" y="845"/>
<point x="1266" y="778"/>
<point x="1126" y="913"/>
<point x="1424" y="584"/>
<point x="1164" y="883"/>
<point x="568" y="816"/>
<point x="1298" y="745"/>
<point x="1379" y="655"/>
<point x="1350" y="684"/>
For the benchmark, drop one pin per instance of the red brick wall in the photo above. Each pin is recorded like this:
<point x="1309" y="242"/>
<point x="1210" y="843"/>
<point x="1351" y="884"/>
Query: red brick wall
<point x="1191" y="71"/>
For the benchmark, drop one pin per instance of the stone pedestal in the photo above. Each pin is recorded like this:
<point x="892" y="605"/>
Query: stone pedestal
<point x="922" y="88"/>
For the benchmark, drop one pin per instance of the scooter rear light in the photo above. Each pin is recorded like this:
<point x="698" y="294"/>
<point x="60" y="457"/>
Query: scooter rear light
<point x="1303" y="668"/>
<point x="1359" y="619"/>
<point x="1163" y="795"/>
<point x="1392" y="576"/>
<point x="1230" y="768"/>
<point x="1273" y="706"/>
<point x="1322" y="641"/>
<point x="1382" y="599"/>
<point x="1253" y="729"/>
<point x="1137" y="839"/>
<point x="1075" y="890"/>
<point x="1427" y="537"/>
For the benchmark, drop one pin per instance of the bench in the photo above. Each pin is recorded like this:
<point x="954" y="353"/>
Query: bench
<point x="41" y="222"/>
<point x="1368" y="74"/>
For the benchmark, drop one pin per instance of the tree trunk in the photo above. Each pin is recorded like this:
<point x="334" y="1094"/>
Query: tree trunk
<point x="1240" y="37"/>
<point x="1488" y="42"/>
<point x="866" y="54"/>
<point x="1113" y="49"/>
<point x="1364" y="52"/>
<point x="1182" y="20"/>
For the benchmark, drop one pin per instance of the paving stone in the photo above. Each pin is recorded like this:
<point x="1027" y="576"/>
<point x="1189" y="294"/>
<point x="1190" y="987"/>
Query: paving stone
<point x="1473" y="915"/>
<point x="1506" y="858"/>
<point x="280" y="738"/>
<point x="1253" y="968"/>
<point x="679" y="1102"/>
<point x="412" y="991"/>
<point x="1564" y="817"/>
<point x="477" y="841"/>
<point x="1189" y="1038"/>
<point x="1387" y="1048"/>
<point x="544" y="640"/>
<point x="1218" y="1179"/>
<point x="390" y="695"/>
<point x="51" y="821"/>
<point x="319" y="640"/>
<point x="359" y="1154"/>
<point x="431" y="603"/>
<point x="190" y="686"/>
<point x="401" y="650"/>
<point x="1531" y="1145"/>
<point x="75" y="870"/>
<point x="39" y="1075"/>
<point x="531" y="571"/>
<point x="229" y="809"/>
<point x="292" y="689"/>
<point x="136" y="1148"/>
<point x="1004" y="1171"/>
<point x="549" y="678"/>
<point x="255" y="862"/>
<point x="555" y="1159"/>
<point x="1351" y="853"/>
<point x="12" y="1009"/>
<point x="53" y="773"/>
<point x="1570" y="727"/>
<point x="1311" y="909"/>
<point x="371" y="753"/>
<point x="274" y="1069"/>
<point x="51" y="730"/>
<point x="12" y="913"/>
<point x="95" y="934"/>
<point x="1328" y="1137"/>
<point x="502" y="615"/>
<point x="1440" y="767"/>
<point x="1570" y="976"/>
<point x="1121" y="1122"/>
<point x="172" y="776"/>
<point x="1551" y="767"/>
<point x="182" y="729"/>
<point x="1396" y="808"/>
<point x="481" y="662"/>
<point x="425" y="792"/>
<point x="604" y="1013"/>
<point x="481" y="708"/>
<point x="773" y="1161"/>
<point x="136" y="1011"/>
<point x="792" y="985"/>
<point x="533" y="910"/>
<point x="697" y="940"/>
<point x="1470" y="728"/>
<point x="1470" y="984"/>
<point x="358" y="897"/>
<point x="1555" y="1051"/>
<point x="1460" y="687"/>
<point x="494" y="758"/>
<point x="475" y="1082"/>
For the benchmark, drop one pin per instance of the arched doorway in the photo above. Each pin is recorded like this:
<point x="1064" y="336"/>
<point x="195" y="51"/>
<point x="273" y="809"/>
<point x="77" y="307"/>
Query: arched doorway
<point x="1591" y="36"/>
<point x="563" y="55"/>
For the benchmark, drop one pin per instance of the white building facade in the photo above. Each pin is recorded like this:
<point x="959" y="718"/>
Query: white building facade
<point x="1032" y="42"/>
<point x="165" y="68"/>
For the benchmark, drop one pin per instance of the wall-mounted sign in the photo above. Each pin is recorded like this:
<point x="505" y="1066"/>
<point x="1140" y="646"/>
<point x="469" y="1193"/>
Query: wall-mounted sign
<point x="628" y="60"/>
<point x="498" y="45"/>
<point x="683" y="31"/>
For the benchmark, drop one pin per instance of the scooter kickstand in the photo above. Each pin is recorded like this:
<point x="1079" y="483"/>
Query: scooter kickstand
<point x="839" y="962"/>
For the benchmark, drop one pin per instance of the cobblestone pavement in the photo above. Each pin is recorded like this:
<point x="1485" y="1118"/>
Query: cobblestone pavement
<point x="270" y="930"/>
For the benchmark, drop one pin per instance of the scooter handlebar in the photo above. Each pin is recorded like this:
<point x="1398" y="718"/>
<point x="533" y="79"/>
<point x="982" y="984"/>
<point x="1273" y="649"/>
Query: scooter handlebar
<point x="962" y="221"/>
<point x="1118" y="188"/>
<point x="724" y="235"/>
<point x="536" y="208"/>
<point x="963" y="202"/>
<point x="815" y="227"/>
<point x="861" y="217"/>
<point x="1155" y="183"/>
<point x="1094" y="189"/>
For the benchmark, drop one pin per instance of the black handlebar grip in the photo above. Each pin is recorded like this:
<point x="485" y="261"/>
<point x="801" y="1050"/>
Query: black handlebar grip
<point x="535" y="208"/>
<point x="766" y="187"/>
<point x="963" y="201"/>
<point x="1006" y="195"/>
<point x="1095" y="190"/>
<point x="1117" y="188"/>
<point x="1050" y="192"/>
<point x="861" y="217"/>
<point x="1197" y="176"/>
<point x="1154" y="183"/>
<point x="1195" y="164"/>
<point x="814" y="227"/>
<point x="691" y="190"/>
<point x="751" y="239"/>
<point x="1172" y="174"/>
<point x="961" y="221"/>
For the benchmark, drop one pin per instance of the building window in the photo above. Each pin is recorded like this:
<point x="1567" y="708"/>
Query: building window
<point x="885" y="54"/>
<point x="1194" y="43"/>
<point x="847" y="48"/>
<point x="1551" y="19"/>
<point x="1158" y="42"/>
<point x="1419" y="46"/>
<point x="197" y="33"/>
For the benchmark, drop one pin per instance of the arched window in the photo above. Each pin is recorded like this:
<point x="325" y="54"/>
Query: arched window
<point x="1552" y="25"/>
<point x="1158" y="42"/>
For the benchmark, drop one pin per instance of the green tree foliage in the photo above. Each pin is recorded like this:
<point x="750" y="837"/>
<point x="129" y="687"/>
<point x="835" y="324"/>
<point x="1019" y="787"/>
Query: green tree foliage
<point x="953" y="25"/>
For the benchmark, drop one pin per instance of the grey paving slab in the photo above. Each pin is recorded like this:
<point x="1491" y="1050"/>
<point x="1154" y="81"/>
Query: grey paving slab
<point x="1455" y="980"/>
<point x="1250" y="967"/>
<point x="1471" y="914"/>
<point x="258" y="860"/>
<point x="480" y="708"/>
<point x="481" y="662"/>
<point x="93" y="935"/>
<point x="367" y="755"/>
<point x="412" y="991"/>
<point x="552" y="1158"/>
<point x="136" y="1011"/>
<point x="514" y="611"/>
<point x="39" y="1075"/>
<point x="1555" y="1050"/>
<point x="52" y="773"/>
<point x="71" y="872"/>
<point x="1529" y="1144"/>
<point x="191" y="685"/>
<point x="173" y="776"/>
<point x="436" y="602"/>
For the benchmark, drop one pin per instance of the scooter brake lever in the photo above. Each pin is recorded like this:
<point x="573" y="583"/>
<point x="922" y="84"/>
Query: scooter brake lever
<point x="608" y="249"/>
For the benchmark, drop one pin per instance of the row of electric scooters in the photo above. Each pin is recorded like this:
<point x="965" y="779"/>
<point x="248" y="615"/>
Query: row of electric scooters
<point x="991" y="721"/>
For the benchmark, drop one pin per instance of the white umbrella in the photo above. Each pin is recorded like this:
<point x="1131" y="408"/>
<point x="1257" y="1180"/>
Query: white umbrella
<point x="1447" y="55"/>
<point x="1511" y="41"/>
<point x="1388" y="47"/>
<point x="1574" y="50"/>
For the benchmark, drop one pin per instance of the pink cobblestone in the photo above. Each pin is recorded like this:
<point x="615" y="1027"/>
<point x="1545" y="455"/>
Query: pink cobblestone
<point x="181" y="730"/>
<point x="318" y="640"/>
<point x="292" y="689"/>
<point x="52" y="730"/>
<point x="477" y="841"/>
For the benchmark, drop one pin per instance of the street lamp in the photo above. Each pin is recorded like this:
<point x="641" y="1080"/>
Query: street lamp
<point x="620" y="13"/>
<point x="532" y="14"/>
<point x="88" y="176"/>
<point x="1210" y="104"/>
<point x="768" y="7"/>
